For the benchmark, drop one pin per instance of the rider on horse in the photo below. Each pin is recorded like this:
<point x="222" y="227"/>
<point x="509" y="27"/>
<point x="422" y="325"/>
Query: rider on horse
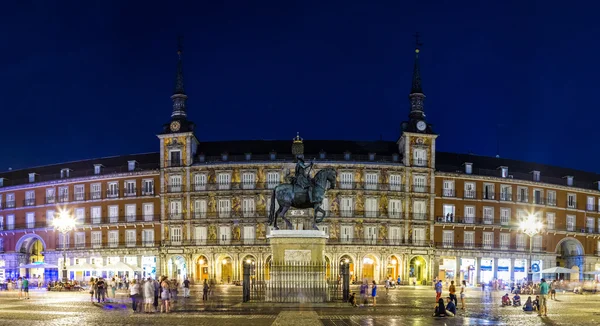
<point x="303" y="179"/>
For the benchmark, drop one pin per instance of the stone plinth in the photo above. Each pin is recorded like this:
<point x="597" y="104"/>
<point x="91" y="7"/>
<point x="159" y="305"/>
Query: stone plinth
<point x="297" y="245"/>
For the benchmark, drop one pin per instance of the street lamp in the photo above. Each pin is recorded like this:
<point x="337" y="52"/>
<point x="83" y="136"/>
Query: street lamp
<point x="64" y="224"/>
<point x="531" y="226"/>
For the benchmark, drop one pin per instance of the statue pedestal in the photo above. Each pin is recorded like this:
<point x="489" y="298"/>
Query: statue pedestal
<point x="298" y="268"/>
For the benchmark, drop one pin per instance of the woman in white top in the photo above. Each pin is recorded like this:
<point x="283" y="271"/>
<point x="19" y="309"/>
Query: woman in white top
<point x="463" y="290"/>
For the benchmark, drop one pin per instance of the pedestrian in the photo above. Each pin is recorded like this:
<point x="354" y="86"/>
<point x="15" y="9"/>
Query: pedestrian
<point x="452" y="290"/>
<point x="553" y="290"/>
<point x="363" y="293"/>
<point x="100" y="286"/>
<point x="438" y="290"/>
<point x="186" y="288"/>
<point x="92" y="289"/>
<point x="20" y="287"/>
<point x="205" y="289"/>
<point x="387" y="286"/>
<point x="156" y="294"/>
<point x="134" y="291"/>
<point x="374" y="293"/>
<point x="543" y="298"/>
<point x="399" y="280"/>
<point x="463" y="294"/>
<point x="165" y="296"/>
<point x="148" y="295"/>
<point x="113" y="287"/>
<point x="26" y="287"/>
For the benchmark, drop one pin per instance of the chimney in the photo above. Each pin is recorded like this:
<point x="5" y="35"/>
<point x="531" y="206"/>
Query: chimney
<point x="536" y="175"/>
<point x="468" y="168"/>
<point x="98" y="169"/>
<point x="33" y="177"/>
<point x="504" y="171"/>
<point x="131" y="165"/>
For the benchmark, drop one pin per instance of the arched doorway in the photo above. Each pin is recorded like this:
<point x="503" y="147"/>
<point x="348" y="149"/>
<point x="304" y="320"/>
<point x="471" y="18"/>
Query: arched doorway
<point x="225" y="269"/>
<point x="177" y="268"/>
<point x="327" y="268"/>
<point x="33" y="247"/>
<point x="266" y="271"/>
<point x="393" y="267"/>
<point x="570" y="255"/>
<point x="370" y="268"/>
<point x="346" y="259"/>
<point x="417" y="270"/>
<point x="201" y="269"/>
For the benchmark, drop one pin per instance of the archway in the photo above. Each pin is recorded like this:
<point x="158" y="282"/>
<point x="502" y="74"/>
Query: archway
<point x="347" y="259"/>
<point x="417" y="270"/>
<point x="266" y="270"/>
<point x="225" y="269"/>
<point x="327" y="268"/>
<point x="33" y="246"/>
<point x="370" y="268"/>
<point x="177" y="268"/>
<point x="393" y="267"/>
<point x="570" y="255"/>
<point x="202" y="269"/>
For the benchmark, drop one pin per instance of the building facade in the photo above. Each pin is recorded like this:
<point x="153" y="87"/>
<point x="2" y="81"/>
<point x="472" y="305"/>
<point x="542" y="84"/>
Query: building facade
<point x="200" y="209"/>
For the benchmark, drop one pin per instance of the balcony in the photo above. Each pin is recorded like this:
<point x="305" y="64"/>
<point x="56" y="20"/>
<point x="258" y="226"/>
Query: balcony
<point x="487" y="195"/>
<point x="480" y="246"/>
<point x="148" y="191"/>
<point x="571" y="204"/>
<point x="29" y="202"/>
<point x="522" y="199"/>
<point x="419" y="188"/>
<point x="130" y="192"/>
<point x="419" y="216"/>
<point x="174" y="164"/>
<point x="539" y="201"/>
<point x="551" y="202"/>
<point x="112" y="193"/>
<point x="63" y="198"/>
<point x="470" y="194"/>
<point x="506" y="196"/>
<point x="95" y="195"/>
<point x="50" y="199"/>
<point x="448" y="193"/>
<point x="420" y="162"/>
<point x="175" y="216"/>
<point x="10" y="204"/>
<point x="175" y="189"/>
<point x="590" y="207"/>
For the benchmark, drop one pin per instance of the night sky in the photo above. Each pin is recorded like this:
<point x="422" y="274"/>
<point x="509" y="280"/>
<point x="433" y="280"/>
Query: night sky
<point x="83" y="81"/>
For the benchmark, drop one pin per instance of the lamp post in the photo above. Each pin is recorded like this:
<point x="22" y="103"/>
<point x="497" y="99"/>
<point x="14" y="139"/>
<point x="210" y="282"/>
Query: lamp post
<point x="531" y="226"/>
<point x="64" y="224"/>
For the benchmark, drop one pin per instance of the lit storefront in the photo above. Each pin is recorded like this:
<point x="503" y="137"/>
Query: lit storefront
<point x="467" y="270"/>
<point x="503" y="270"/>
<point x="447" y="269"/>
<point x="486" y="270"/>
<point x="520" y="269"/>
<point x="149" y="266"/>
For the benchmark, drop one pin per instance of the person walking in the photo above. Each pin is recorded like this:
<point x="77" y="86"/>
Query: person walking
<point x="20" y="287"/>
<point x="134" y="291"/>
<point x="374" y="293"/>
<point x="148" y="295"/>
<point x="438" y="290"/>
<point x="544" y="288"/>
<point x="186" y="288"/>
<point x="452" y="291"/>
<point x="363" y="293"/>
<point x="92" y="289"/>
<point x="205" y="289"/>
<point x="113" y="287"/>
<point x="463" y="294"/>
<point x="165" y="295"/>
<point x="26" y="287"/>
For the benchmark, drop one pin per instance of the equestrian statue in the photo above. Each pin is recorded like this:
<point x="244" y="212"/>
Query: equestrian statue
<point x="302" y="192"/>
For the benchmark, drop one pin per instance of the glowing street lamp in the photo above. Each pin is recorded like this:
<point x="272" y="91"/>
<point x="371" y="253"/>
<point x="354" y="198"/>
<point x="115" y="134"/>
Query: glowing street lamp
<point x="64" y="224"/>
<point x="531" y="226"/>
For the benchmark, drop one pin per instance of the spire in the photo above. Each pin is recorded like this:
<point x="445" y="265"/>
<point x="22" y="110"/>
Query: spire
<point x="416" y="77"/>
<point x="416" y="95"/>
<point x="179" y="98"/>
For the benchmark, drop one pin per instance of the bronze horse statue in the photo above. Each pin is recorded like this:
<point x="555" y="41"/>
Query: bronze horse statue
<point x="290" y="195"/>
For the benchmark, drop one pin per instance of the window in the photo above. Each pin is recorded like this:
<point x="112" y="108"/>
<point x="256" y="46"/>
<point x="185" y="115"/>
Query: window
<point x="113" y="239"/>
<point x="148" y="237"/>
<point x="370" y="234"/>
<point x="394" y="235"/>
<point x="488" y="240"/>
<point x="571" y="201"/>
<point x="371" y="207"/>
<point x="30" y="198"/>
<point x="448" y="211"/>
<point x="347" y="207"/>
<point x="50" y="196"/>
<point x="224" y="208"/>
<point x="371" y="181"/>
<point x="49" y="217"/>
<point x="64" y="173"/>
<point x="396" y="182"/>
<point x="80" y="215"/>
<point x="96" y="213"/>
<point x="448" y="239"/>
<point x="419" y="183"/>
<point x="224" y="180"/>
<point x="64" y="240"/>
<point x="469" y="215"/>
<point x="148" y="211"/>
<point x="147" y="187"/>
<point x="395" y="208"/>
<point x="520" y="241"/>
<point x="113" y="214"/>
<point x="10" y="200"/>
<point x="591" y="201"/>
<point x="200" y="235"/>
<point x="272" y="180"/>
<point x="551" y="197"/>
<point x="570" y="223"/>
<point x="249" y="234"/>
<point x="30" y="220"/>
<point x="248" y="207"/>
<point x="176" y="236"/>
<point x="505" y="192"/>
<point x="175" y="183"/>
<point x="79" y="192"/>
<point x="80" y="240"/>
<point x="488" y="215"/>
<point x="347" y="232"/>
<point x="130" y="212"/>
<point x="199" y="208"/>
<point x="419" y="237"/>
<point x="1" y="222"/>
<point x="248" y="180"/>
<point x="63" y="194"/>
<point x="537" y="197"/>
<point x="504" y="216"/>
<point x="130" y="189"/>
<point x="589" y="224"/>
<point x="97" y="168"/>
<point x="420" y="157"/>
<point x="112" y="189"/>
<point x="175" y="158"/>
<point x="469" y="190"/>
<point x="130" y="238"/>
<point x="199" y="181"/>
<point x="96" y="239"/>
<point x="537" y="243"/>
<point x="346" y="180"/>
<point x="448" y="188"/>
<point x="488" y="191"/>
<point x="10" y="222"/>
<point x="131" y="165"/>
<point x="95" y="191"/>
<point x="175" y="211"/>
<point x="469" y="239"/>
<point x="550" y="220"/>
<point x="324" y="228"/>
<point x="522" y="195"/>
<point x="224" y="234"/>
<point x="419" y="209"/>
<point x="504" y="241"/>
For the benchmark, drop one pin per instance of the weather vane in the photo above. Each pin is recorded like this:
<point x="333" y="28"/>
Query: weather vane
<point x="417" y="42"/>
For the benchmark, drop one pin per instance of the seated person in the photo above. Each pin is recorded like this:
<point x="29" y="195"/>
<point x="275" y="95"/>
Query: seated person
<point x="516" y="300"/>
<point x="505" y="300"/>
<point x="528" y="305"/>
<point x="536" y="303"/>
<point x="440" y="309"/>
<point x="450" y="307"/>
<point x="352" y="300"/>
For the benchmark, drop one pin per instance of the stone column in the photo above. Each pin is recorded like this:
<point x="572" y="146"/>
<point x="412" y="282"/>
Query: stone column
<point x="478" y="270"/>
<point x="512" y="269"/>
<point x="457" y="275"/>
<point x="496" y="268"/>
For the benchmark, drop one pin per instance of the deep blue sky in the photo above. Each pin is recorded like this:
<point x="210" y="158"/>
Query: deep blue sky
<point x="83" y="81"/>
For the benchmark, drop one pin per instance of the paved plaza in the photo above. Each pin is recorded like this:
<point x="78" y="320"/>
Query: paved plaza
<point x="403" y="306"/>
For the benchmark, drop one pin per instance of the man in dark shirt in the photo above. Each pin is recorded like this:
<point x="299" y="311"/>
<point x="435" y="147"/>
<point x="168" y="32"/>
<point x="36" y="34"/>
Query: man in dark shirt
<point x="186" y="288"/>
<point x="101" y="288"/>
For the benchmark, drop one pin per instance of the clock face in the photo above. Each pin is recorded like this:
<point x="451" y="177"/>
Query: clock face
<point x="175" y="126"/>
<point x="421" y="125"/>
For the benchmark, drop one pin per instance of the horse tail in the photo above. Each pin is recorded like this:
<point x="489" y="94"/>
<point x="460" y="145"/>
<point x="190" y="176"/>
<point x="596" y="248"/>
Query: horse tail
<point x="272" y="209"/>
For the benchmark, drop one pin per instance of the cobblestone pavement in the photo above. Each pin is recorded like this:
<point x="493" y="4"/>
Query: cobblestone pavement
<point x="403" y="306"/>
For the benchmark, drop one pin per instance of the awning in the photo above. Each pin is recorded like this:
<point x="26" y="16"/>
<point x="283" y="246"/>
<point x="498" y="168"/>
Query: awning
<point x="38" y="265"/>
<point x="82" y="267"/>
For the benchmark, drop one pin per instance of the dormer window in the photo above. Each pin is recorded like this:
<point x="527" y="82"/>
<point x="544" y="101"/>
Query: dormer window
<point x="202" y="157"/>
<point x="32" y="177"/>
<point x="504" y="171"/>
<point x="371" y="156"/>
<point x="98" y="169"/>
<point x="273" y="155"/>
<point x="468" y="168"/>
<point x="248" y="156"/>
<point x="395" y="157"/>
<point x="347" y="156"/>
<point x="322" y="155"/>
<point x="2" y="182"/>
<point x="224" y="156"/>
<point x="175" y="158"/>
<point x="65" y="173"/>
<point x="131" y="165"/>
<point x="536" y="175"/>
<point x="569" y="180"/>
